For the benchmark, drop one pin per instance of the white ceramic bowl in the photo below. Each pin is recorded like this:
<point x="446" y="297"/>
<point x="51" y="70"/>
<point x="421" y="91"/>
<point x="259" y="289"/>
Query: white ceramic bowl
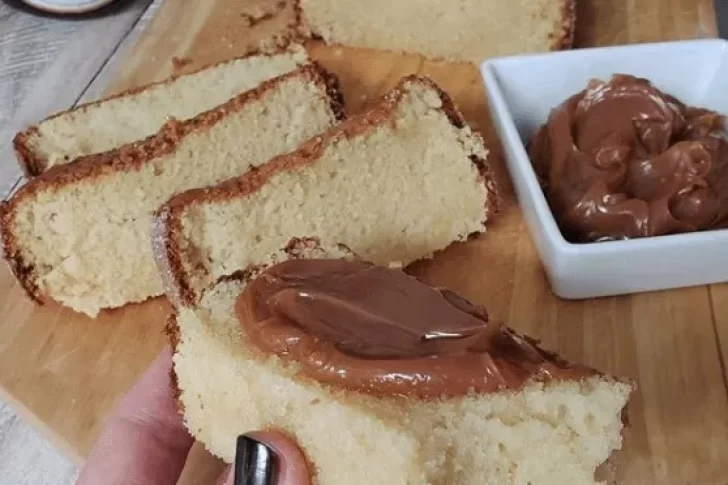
<point x="523" y="89"/>
<point x="67" y="6"/>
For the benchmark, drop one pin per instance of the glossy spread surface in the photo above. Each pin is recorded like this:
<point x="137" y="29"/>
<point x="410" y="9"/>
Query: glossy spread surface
<point x="622" y="160"/>
<point x="381" y="331"/>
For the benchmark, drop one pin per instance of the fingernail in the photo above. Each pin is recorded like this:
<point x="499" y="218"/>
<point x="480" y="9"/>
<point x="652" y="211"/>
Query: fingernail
<point x="255" y="463"/>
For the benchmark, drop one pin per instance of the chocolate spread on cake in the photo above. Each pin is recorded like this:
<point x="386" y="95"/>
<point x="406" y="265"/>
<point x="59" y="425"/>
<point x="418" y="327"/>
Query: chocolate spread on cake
<point x="623" y="160"/>
<point x="378" y="330"/>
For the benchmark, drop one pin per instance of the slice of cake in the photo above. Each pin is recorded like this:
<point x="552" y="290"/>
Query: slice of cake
<point x="395" y="183"/>
<point x="383" y="379"/>
<point x="136" y="114"/>
<point x="456" y="30"/>
<point x="79" y="233"/>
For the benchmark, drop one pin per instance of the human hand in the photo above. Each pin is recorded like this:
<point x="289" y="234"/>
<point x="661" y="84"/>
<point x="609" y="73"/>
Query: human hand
<point x="145" y="443"/>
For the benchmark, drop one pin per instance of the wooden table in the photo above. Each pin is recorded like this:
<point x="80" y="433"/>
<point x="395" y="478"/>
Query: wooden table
<point x="66" y="371"/>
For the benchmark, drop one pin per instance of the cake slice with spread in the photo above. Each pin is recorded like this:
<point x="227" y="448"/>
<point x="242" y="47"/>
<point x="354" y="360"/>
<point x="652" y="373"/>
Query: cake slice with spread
<point x="381" y="378"/>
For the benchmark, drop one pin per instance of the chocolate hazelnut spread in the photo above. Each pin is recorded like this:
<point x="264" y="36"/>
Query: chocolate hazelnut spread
<point x="623" y="160"/>
<point x="378" y="330"/>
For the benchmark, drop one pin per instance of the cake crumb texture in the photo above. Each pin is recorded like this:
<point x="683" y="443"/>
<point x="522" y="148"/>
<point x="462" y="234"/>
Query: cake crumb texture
<point x="456" y="30"/>
<point x="397" y="183"/>
<point x="80" y="233"/>
<point x="113" y="122"/>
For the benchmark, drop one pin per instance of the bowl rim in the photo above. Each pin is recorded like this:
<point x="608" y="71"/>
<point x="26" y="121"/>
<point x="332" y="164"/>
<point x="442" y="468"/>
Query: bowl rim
<point x="644" y="47"/>
<point x="546" y="219"/>
<point x="67" y="7"/>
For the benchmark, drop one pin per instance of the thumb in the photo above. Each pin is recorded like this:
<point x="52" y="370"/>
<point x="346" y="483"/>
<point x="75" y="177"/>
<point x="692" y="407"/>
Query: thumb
<point x="268" y="458"/>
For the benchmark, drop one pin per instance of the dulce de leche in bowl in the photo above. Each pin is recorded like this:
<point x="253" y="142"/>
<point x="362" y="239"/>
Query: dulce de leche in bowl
<point x="623" y="160"/>
<point x="624" y="145"/>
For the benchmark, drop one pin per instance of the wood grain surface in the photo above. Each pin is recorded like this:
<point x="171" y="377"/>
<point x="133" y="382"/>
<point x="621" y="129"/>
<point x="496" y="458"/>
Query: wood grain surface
<point x="67" y="371"/>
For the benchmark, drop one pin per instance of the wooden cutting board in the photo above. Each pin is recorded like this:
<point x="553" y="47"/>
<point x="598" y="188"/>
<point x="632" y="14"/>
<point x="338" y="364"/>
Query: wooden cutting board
<point x="65" y="371"/>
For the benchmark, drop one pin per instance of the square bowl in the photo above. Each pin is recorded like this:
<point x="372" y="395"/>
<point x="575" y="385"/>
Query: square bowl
<point x="522" y="90"/>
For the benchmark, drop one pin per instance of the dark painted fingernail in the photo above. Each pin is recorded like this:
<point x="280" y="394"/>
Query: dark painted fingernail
<point x="255" y="463"/>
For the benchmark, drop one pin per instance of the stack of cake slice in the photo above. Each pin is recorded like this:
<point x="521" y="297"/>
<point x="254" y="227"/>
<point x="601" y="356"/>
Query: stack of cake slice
<point x="78" y="233"/>
<point x="136" y="114"/>
<point x="398" y="182"/>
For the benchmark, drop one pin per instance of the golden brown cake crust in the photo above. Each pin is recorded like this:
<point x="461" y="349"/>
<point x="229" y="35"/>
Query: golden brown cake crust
<point x="171" y="331"/>
<point x="33" y="164"/>
<point x="166" y="230"/>
<point x="165" y="233"/>
<point x="135" y="155"/>
<point x="564" y="39"/>
<point x="22" y="271"/>
<point x="30" y="162"/>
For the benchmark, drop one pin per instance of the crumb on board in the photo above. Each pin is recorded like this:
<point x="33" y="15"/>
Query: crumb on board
<point x="257" y="14"/>
<point x="274" y="43"/>
<point x="179" y="63"/>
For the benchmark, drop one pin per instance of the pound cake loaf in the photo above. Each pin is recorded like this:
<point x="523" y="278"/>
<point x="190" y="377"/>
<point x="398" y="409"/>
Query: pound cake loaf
<point x="116" y="121"/>
<point x="79" y="233"/>
<point x="384" y="386"/>
<point x="455" y="30"/>
<point x="398" y="182"/>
